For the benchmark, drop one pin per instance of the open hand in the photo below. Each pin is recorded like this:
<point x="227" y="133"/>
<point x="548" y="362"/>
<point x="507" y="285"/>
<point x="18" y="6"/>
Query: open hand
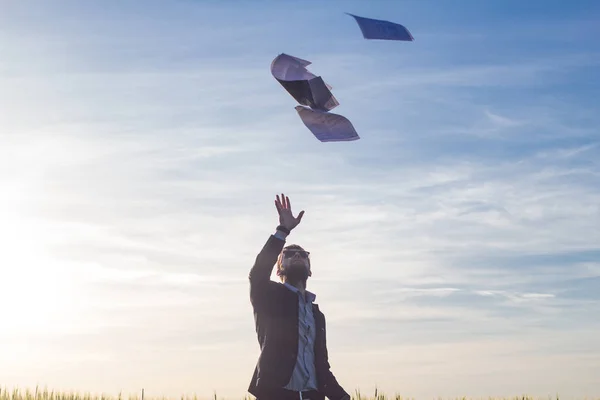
<point x="284" y="208"/>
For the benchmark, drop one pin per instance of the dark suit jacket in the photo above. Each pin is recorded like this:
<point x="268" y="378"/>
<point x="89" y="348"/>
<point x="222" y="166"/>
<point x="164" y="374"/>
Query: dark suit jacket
<point x="276" y="320"/>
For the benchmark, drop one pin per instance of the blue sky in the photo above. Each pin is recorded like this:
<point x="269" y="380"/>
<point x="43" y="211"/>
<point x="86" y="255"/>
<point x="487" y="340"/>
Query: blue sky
<point x="455" y="246"/>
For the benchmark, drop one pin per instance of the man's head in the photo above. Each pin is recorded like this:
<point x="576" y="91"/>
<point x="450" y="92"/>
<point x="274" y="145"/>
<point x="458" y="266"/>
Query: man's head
<point x="293" y="265"/>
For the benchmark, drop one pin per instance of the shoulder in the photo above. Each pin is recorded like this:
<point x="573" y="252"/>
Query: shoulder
<point x="279" y="289"/>
<point x="277" y="285"/>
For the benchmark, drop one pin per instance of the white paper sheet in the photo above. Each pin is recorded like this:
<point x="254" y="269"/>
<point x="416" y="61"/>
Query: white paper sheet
<point x="326" y="126"/>
<point x="289" y="68"/>
<point x="305" y="87"/>
<point x="382" y="30"/>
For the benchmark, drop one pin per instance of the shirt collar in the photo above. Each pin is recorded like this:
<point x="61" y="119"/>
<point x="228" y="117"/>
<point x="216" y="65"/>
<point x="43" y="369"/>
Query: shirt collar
<point x="311" y="297"/>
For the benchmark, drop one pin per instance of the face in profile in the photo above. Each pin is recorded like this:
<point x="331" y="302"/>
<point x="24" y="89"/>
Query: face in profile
<point x="295" y="264"/>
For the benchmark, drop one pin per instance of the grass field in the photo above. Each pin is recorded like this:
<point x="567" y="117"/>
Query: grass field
<point x="45" y="394"/>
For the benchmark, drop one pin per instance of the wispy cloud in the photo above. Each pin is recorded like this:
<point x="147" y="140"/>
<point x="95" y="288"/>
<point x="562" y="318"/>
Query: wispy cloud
<point x="455" y="246"/>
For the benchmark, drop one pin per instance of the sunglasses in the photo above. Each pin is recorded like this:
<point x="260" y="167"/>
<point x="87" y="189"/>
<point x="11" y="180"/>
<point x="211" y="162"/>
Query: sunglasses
<point x="292" y="252"/>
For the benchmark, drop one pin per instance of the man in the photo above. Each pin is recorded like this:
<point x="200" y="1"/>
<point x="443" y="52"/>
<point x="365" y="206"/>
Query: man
<point x="293" y="362"/>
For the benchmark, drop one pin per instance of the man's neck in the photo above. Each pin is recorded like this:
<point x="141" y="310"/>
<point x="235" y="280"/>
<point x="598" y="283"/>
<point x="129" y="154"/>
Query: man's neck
<point x="301" y="286"/>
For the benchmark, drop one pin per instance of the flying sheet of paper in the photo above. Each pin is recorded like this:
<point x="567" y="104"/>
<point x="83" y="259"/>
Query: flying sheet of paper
<point x="327" y="127"/>
<point x="308" y="89"/>
<point x="313" y="94"/>
<point x="382" y="30"/>
<point x="289" y="68"/>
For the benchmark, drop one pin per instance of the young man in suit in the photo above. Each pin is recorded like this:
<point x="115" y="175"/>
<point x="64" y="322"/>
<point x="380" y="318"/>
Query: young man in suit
<point x="293" y="362"/>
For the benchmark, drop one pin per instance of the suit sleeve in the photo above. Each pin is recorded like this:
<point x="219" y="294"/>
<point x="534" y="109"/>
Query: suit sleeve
<point x="333" y="390"/>
<point x="260" y="273"/>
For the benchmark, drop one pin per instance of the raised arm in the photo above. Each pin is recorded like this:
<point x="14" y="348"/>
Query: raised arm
<point x="260" y="273"/>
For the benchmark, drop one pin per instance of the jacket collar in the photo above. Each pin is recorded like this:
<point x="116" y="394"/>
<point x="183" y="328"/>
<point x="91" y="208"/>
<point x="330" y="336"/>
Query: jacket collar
<point x="310" y="297"/>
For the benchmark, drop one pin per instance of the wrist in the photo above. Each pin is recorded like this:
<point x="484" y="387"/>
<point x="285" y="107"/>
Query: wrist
<point x="284" y="229"/>
<point x="279" y="234"/>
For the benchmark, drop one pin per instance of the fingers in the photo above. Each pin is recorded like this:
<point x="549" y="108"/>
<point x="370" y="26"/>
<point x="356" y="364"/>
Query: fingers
<point x="285" y="200"/>
<point x="284" y="203"/>
<point x="281" y="201"/>
<point x="278" y="204"/>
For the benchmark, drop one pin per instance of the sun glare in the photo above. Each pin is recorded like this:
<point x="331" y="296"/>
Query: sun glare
<point x="34" y="293"/>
